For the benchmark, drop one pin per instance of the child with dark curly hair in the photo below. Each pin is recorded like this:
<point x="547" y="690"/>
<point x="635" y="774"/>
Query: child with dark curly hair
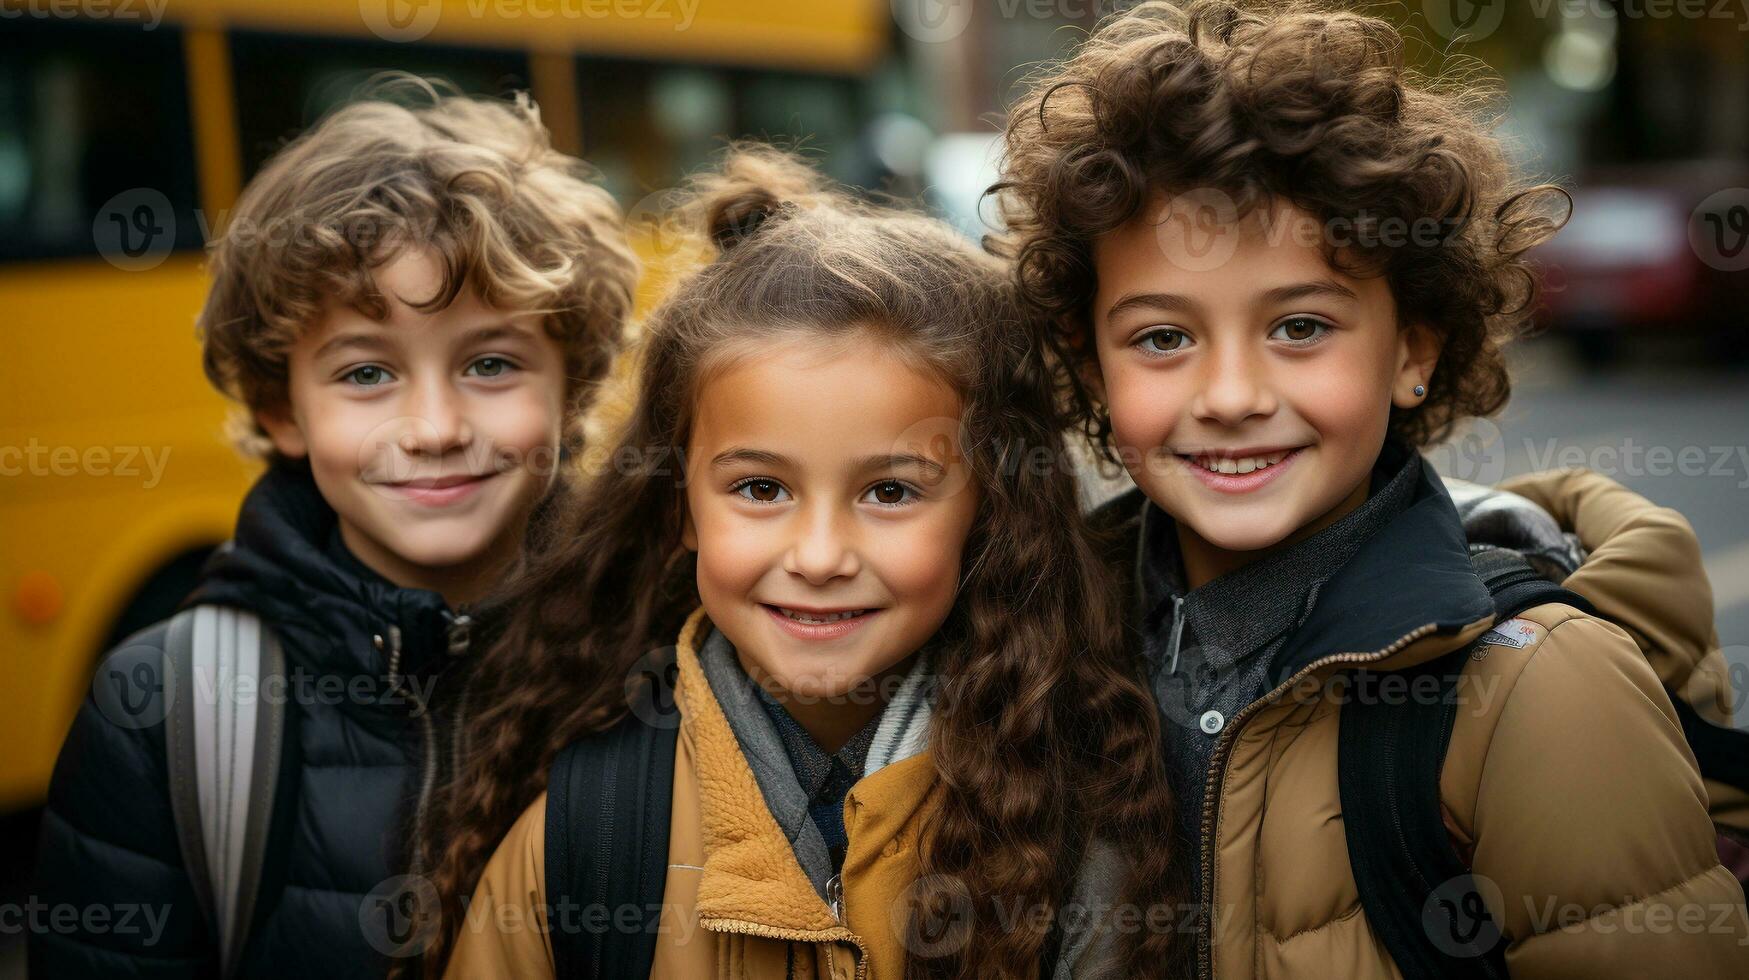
<point x="1276" y="264"/>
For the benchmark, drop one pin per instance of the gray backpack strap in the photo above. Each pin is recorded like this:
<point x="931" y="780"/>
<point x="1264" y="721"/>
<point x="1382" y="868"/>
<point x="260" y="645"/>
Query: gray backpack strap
<point x="223" y="741"/>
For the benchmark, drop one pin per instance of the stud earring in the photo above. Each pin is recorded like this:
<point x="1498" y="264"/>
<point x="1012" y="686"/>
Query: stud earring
<point x="1420" y="390"/>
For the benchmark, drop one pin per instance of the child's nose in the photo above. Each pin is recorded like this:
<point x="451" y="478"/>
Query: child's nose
<point x="1234" y="387"/>
<point x="823" y="548"/>
<point x="446" y="423"/>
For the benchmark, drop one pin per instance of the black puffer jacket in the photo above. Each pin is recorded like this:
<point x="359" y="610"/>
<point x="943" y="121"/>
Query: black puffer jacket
<point x="360" y="752"/>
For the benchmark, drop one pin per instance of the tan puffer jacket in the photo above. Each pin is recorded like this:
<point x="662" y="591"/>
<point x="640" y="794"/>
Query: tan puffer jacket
<point x="736" y="903"/>
<point x="1567" y="784"/>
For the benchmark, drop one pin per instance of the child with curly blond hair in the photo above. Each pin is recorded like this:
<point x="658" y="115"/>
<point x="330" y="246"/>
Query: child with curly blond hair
<point x="410" y="303"/>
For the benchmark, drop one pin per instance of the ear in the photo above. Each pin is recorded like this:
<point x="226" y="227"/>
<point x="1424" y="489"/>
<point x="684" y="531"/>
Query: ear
<point x="1417" y="355"/>
<point x="283" y="429"/>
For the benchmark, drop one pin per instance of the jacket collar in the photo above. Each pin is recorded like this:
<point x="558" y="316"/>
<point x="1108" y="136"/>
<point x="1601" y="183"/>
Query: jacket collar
<point x="750" y="880"/>
<point x="1412" y="578"/>
<point x="1242" y="612"/>
<point x="282" y="564"/>
<point x="1412" y="581"/>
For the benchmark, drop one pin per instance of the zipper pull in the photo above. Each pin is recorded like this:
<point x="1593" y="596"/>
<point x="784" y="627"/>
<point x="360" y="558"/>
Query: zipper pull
<point x="1177" y="634"/>
<point x="459" y="633"/>
<point x="835" y="896"/>
<point x="394" y="656"/>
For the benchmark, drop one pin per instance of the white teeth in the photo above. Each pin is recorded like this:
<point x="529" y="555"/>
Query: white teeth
<point x="817" y="619"/>
<point x="1237" y="465"/>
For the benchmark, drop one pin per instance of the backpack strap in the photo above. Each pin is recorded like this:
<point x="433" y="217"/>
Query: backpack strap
<point x="223" y="738"/>
<point x="1723" y="753"/>
<point x="1417" y="891"/>
<point x="608" y="800"/>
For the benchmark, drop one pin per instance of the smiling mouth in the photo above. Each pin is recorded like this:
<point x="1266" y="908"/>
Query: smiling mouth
<point x="818" y="618"/>
<point x="440" y="482"/>
<point x="1231" y="465"/>
<point x="439" y="491"/>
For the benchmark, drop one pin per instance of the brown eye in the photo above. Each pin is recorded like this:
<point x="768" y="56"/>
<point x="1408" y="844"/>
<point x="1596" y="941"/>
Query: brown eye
<point x="890" y="493"/>
<point x="761" y="491"/>
<point x="1300" y="330"/>
<point x="1164" y="341"/>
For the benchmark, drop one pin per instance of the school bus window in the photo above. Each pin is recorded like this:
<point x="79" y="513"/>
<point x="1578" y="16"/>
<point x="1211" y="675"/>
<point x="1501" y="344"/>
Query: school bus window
<point x="645" y="125"/>
<point x="290" y="81"/>
<point x="93" y="117"/>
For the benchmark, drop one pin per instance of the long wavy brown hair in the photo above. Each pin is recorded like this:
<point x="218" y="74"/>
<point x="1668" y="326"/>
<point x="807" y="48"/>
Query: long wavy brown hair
<point x="1044" y="735"/>
<point x="1299" y="101"/>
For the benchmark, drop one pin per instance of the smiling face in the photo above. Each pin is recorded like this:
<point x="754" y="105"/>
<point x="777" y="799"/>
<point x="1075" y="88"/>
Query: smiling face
<point x="1249" y="397"/>
<point x="829" y="506"/>
<point x="430" y="434"/>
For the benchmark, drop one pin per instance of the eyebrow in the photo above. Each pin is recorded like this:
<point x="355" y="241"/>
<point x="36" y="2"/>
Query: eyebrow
<point x="1173" y="302"/>
<point x="372" y="342"/>
<point x="764" y="457"/>
<point x="496" y="331"/>
<point x="344" y="341"/>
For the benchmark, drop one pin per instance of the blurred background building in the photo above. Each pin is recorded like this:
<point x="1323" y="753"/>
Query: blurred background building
<point x="128" y="126"/>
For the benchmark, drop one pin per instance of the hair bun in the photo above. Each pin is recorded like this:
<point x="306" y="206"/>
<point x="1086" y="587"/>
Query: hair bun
<point x="734" y="218"/>
<point x="754" y="185"/>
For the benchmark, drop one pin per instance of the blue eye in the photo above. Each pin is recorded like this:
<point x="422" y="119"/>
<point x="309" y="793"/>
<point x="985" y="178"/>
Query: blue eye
<point x="366" y="376"/>
<point x="891" y="493"/>
<point x="1300" y="330"/>
<point x="760" y="491"/>
<point x="1164" y="341"/>
<point x="489" y="367"/>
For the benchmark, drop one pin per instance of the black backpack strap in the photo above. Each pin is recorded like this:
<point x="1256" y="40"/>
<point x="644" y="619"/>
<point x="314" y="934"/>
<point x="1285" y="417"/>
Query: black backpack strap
<point x="608" y="801"/>
<point x="1723" y="753"/>
<point x="1516" y="585"/>
<point x="1418" y="893"/>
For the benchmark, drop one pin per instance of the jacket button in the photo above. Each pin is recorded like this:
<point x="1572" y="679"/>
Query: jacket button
<point x="1211" y="722"/>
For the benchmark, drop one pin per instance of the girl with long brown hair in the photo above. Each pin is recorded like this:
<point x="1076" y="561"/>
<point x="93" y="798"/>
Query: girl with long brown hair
<point x="905" y="696"/>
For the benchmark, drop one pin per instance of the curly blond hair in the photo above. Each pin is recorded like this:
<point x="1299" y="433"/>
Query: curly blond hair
<point x="414" y="164"/>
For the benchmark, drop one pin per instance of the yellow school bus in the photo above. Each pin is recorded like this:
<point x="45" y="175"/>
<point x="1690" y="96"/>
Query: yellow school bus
<point x="126" y="129"/>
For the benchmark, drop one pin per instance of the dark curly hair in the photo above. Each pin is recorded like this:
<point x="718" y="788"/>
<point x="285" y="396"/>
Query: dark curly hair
<point x="1298" y="102"/>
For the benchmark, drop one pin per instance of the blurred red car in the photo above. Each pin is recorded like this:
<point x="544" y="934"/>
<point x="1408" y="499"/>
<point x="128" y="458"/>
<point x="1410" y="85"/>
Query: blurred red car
<point x="1639" y="255"/>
